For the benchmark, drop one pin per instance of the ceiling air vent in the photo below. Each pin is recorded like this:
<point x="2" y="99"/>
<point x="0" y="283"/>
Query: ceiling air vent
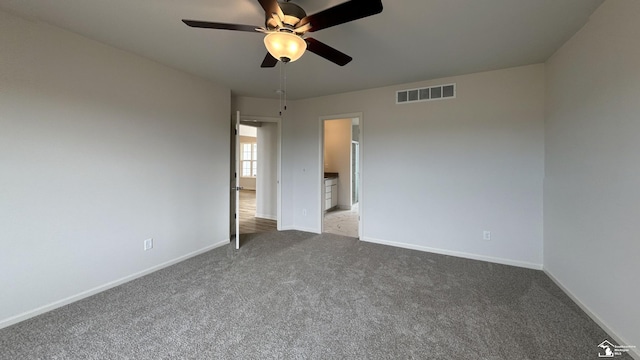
<point x="439" y="92"/>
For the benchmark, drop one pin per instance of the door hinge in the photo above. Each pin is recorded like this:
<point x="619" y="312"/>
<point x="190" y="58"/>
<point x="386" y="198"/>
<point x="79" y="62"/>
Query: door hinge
<point x="235" y="216"/>
<point x="235" y="131"/>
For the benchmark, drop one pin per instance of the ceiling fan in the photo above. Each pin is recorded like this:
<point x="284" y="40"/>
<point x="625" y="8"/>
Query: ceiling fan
<point x="286" y="26"/>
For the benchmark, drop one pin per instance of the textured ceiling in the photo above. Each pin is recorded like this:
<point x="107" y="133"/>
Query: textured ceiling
<point x="410" y="40"/>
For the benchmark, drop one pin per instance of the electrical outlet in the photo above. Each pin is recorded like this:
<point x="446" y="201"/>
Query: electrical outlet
<point x="148" y="244"/>
<point x="304" y="212"/>
<point x="486" y="235"/>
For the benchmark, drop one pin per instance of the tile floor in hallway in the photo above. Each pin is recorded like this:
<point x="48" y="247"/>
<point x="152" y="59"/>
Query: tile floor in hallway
<point x="342" y="222"/>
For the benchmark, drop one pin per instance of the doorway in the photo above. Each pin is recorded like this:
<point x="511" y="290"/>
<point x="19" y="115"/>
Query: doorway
<point x="340" y="152"/>
<point x="257" y="210"/>
<point x="256" y="169"/>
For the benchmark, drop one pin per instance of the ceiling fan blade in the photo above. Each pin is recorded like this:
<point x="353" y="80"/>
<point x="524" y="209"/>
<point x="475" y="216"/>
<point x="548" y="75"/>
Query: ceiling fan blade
<point x="271" y="7"/>
<point x="222" y="26"/>
<point x="327" y="52"/>
<point x="269" y="61"/>
<point x="340" y="14"/>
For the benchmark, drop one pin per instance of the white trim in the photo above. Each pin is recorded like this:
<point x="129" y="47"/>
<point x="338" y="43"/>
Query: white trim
<point x="56" y="304"/>
<point x="286" y="228"/>
<point x="309" y="230"/>
<point x="277" y="120"/>
<point x="360" y="175"/>
<point x="460" y="254"/>
<point x="322" y="119"/>
<point x="635" y="352"/>
<point x="236" y="192"/>
<point x="265" y="216"/>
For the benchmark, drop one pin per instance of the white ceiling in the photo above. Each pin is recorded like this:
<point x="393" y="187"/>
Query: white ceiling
<point x="409" y="41"/>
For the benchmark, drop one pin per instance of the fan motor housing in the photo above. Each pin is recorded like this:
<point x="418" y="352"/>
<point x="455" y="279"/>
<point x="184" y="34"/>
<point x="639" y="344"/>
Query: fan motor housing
<point x="292" y="15"/>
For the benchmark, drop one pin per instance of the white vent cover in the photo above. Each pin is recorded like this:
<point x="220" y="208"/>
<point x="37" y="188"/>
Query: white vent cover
<point x="440" y="92"/>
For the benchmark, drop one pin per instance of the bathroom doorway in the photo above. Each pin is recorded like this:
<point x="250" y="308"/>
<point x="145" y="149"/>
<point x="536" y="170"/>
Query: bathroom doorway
<point x="341" y="175"/>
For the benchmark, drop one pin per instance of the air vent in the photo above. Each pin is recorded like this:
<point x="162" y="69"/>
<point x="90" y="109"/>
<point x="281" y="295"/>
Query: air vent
<point x="439" y="92"/>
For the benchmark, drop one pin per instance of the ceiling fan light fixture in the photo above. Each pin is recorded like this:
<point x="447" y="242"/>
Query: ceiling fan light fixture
<point x="285" y="46"/>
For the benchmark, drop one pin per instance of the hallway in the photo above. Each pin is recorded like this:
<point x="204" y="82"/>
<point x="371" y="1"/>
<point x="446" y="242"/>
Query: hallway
<point x="250" y="224"/>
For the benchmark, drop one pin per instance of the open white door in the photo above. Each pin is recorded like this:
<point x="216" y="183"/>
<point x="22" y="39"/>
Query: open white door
<point x="237" y="176"/>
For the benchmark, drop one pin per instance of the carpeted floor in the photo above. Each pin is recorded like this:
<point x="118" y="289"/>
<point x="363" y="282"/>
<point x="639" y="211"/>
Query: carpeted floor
<point x="294" y="295"/>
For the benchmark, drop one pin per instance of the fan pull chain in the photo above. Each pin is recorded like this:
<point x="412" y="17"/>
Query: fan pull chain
<point x="282" y="91"/>
<point x="280" y="87"/>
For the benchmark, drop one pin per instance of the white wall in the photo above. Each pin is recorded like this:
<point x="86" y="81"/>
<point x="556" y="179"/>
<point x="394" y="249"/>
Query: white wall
<point x="267" y="181"/>
<point x="591" y="197"/>
<point x="337" y="157"/>
<point x="479" y="159"/>
<point x="99" y="150"/>
<point x="250" y="131"/>
<point x="248" y="183"/>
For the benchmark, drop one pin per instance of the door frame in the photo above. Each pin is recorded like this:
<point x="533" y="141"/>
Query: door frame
<point x="236" y="178"/>
<point x="234" y="166"/>
<point x="278" y="121"/>
<point x="361" y="213"/>
<point x="357" y="175"/>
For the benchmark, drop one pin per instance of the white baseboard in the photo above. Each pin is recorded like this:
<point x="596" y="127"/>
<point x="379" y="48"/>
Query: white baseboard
<point x="54" y="305"/>
<point x="634" y="353"/>
<point x="309" y="230"/>
<point x="286" y="227"/>
<point x="517" y="263"/>
<point x="265" y="216"/>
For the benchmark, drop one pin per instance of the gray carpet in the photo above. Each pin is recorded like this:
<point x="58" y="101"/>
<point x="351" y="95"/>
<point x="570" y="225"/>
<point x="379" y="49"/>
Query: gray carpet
<point x="294" y="295"/>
